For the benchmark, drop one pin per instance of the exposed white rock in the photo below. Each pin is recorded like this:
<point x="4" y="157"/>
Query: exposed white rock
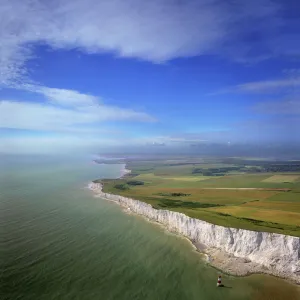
<point x="271" y="253"/>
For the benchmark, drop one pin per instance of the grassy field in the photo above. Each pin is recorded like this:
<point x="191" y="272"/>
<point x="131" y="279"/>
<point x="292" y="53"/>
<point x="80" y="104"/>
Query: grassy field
<point x="282" y="178"/>
<point x="260" y="201"/>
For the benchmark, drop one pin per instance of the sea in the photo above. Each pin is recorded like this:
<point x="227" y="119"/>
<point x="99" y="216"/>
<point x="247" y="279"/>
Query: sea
<point x="59" y="241"/>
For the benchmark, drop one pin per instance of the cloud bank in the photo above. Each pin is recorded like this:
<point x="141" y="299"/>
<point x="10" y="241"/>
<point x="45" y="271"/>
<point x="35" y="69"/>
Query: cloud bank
<point x="65" y="111"/>
<point x="157" y="31"/>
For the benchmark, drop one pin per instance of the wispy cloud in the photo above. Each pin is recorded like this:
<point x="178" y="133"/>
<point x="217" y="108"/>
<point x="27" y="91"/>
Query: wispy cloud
<point x="28" y="115"/>
<point x="156" y="31"/>
<point x="174" y="139"/>
<point x="265" y="86"/>
<point x="64" y="97"/>
<point x="268" y="86"/>
<point x="65" y="110"/>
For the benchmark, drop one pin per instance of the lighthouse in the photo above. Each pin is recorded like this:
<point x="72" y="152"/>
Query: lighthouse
<point x="219" y="281"/>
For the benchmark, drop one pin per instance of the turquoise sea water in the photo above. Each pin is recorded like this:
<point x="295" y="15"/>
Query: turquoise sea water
<point x="60" y="242"/>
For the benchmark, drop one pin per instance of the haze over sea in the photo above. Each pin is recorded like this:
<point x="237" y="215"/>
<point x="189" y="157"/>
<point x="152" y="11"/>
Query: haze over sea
<point x="60" y="242"/>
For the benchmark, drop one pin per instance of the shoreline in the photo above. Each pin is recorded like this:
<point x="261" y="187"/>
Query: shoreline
<point x="228" y="263"/>
<point x="124" y="171"/>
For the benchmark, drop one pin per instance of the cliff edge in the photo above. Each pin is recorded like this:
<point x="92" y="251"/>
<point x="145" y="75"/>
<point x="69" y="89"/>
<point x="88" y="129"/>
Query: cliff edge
<point x="235" y="251"/>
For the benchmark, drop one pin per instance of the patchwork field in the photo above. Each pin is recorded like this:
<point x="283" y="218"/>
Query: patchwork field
<point x="260" y="213"/>
<point x="282" y="178"/>
<point x="263" y="201"/>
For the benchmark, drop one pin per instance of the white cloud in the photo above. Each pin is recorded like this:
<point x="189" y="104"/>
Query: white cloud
<point x="68" y="98"/>
<point x="269" y="85"/>
<point x="264" y="86"/>
<point x="66" y="110"/>
<point x="34" y="116"/>
<point x="157" y="30"/>
<point x="173" y="140"/>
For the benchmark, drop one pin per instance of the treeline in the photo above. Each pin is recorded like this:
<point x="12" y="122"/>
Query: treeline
<point x="215" y="171"/>
<point x="173" y="194"/>
<point x="253" y="162"/>
<point x="280" y="168"/>
<point x="171" y="203"/>
<point x="272" y="168"/>
<point x="126" y="186"/>
<point x="264" y="168"/>
<point x="135" y="182"/>
<point x="122" y="186"/>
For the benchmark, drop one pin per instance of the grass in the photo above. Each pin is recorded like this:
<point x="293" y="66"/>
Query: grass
<point x="293" y="196"/>
<point x="188" y="178"/>
<point x="152" y="176"/>
<point x="271" y="205"/>
<point x="282" y="178"/>
<point x="175" y="187"/>
<point x="243" y="181"/>
<point x="228" y="220"/>
<point x="262" y="214"/>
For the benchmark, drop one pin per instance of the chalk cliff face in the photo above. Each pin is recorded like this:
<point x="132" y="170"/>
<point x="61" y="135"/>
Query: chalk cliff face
<point x="276" y="252"/>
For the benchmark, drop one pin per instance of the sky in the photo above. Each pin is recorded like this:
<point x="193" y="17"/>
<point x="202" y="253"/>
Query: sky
<point x="101" y="75"/>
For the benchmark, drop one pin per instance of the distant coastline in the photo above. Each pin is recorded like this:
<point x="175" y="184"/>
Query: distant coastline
<point x="124" y="171"/>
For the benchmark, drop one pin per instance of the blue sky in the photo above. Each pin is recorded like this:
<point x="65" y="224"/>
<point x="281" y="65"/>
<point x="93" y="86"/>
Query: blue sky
<point x="104" y="74"/>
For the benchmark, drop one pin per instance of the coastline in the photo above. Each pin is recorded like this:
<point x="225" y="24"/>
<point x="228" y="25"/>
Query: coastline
<point x="230" y="262"/>
<point x="124" y="171"/>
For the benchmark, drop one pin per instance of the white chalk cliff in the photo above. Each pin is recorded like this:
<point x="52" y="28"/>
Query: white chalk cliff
<point x="276" y="254"/>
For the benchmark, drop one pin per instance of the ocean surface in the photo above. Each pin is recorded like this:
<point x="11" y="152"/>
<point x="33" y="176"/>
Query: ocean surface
<point x="60" y="242"/>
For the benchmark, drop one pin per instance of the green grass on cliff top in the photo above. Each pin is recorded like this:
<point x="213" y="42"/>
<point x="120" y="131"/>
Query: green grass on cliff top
<point x="247" y="201"/>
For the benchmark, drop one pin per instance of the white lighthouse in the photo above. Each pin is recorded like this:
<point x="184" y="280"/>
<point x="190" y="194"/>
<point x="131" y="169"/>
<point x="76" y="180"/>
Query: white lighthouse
<point x="219" y="283"/>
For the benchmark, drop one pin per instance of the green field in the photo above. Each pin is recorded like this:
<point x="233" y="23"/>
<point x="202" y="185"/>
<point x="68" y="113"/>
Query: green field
<point x="263" y="201"/>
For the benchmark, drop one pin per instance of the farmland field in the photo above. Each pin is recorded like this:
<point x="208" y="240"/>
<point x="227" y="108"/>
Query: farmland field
<point x="282" y="178"/>
<point x="260" y="200"/>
